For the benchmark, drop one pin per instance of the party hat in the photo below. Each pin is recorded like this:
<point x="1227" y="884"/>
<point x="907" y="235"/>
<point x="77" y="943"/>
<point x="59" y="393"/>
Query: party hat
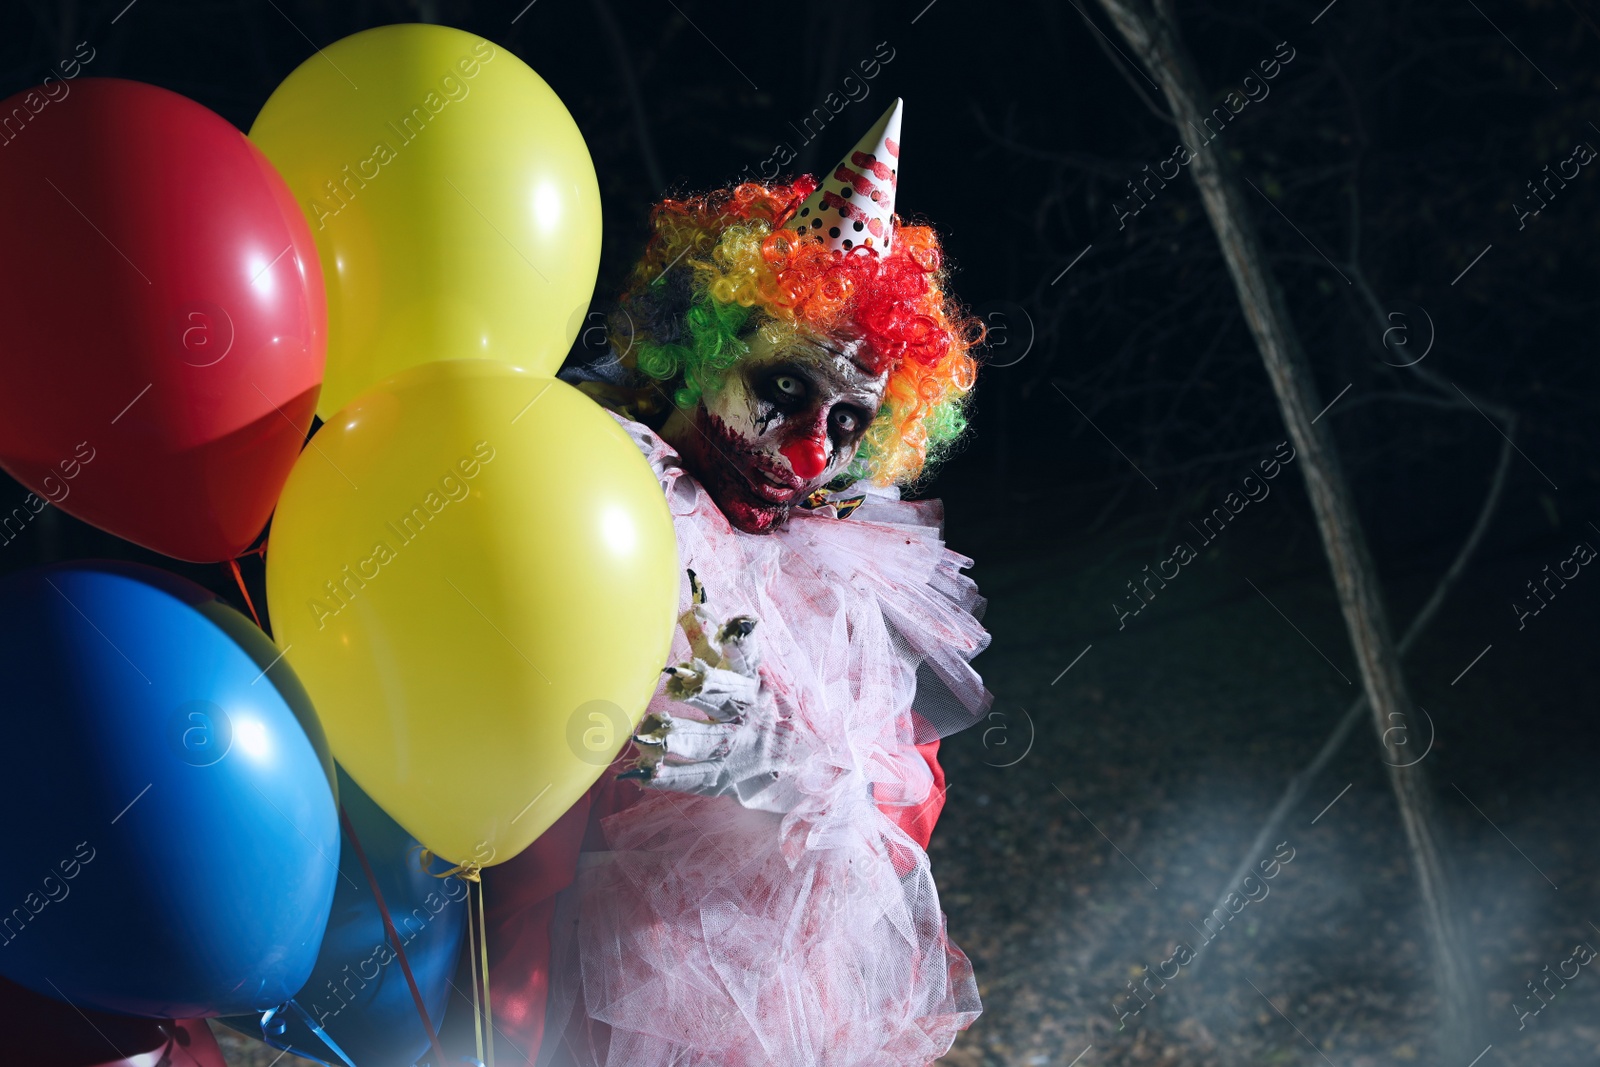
<point x="854" y="206"/>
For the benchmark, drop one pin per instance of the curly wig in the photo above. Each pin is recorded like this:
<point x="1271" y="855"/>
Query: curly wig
<point x="718" y="266"/>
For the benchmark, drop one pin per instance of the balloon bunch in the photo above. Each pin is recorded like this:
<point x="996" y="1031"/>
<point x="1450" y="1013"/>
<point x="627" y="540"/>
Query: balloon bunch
<point x="471" y="571"/>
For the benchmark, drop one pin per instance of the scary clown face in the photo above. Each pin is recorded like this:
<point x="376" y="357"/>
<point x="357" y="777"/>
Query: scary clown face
<point x="785" y="421"/>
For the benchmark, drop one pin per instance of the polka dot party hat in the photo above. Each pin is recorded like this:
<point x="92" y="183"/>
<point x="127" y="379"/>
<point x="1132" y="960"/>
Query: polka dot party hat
<point x="854" y="205"/>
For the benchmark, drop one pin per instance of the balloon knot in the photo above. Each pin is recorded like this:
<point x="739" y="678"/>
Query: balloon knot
<point x="468" y="871"/>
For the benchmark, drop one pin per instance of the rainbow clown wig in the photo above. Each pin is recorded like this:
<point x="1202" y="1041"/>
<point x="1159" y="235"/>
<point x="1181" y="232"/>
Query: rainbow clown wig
<point x="827" y="259"/>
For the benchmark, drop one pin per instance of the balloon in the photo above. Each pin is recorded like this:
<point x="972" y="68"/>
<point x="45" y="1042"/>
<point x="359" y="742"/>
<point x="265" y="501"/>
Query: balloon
<point x="452" y="199"/>
<point x="162" y="319"/>
<point x="44" y="1032"/>
<point x="357" y="992"/>
<point x="475" y="574"/>
<point x="172" y="842"/>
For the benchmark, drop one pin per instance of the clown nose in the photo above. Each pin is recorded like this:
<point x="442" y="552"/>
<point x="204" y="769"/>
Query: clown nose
<point x="806" y="458"/>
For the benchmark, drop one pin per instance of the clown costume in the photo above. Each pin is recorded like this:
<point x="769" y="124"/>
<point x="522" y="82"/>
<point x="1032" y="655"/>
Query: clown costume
<point x="749" y="883"/>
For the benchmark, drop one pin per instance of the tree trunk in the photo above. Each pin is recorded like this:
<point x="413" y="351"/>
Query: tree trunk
<point x="1152" y="31"/>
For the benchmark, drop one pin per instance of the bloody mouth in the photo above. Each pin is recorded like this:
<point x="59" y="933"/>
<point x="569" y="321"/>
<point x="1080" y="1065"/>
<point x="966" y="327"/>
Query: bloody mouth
<point x="754" y="498"/>
<point x="770" y="487"/>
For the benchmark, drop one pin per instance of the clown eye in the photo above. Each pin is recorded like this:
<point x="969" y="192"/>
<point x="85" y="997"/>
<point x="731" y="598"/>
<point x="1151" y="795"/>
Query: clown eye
<point x="787" y="389"/>
<point x="847" y="420"/>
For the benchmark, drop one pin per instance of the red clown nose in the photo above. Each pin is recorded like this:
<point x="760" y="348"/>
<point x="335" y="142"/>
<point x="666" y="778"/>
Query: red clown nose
<point x="807" y="458"/>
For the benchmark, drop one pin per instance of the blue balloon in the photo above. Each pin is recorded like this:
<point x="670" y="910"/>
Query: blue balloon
<point x="172" y="832"/>
<point x="357" y="993"/>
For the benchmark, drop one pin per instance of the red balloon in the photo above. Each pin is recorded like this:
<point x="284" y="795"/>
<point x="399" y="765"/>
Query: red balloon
<point x="41" y="1032"/>
<point x="163" y="322"/>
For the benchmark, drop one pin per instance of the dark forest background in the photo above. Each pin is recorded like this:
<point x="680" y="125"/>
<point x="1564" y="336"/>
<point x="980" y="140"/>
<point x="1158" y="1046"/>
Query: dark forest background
<point x="1392" y="149"/>
<point x="1447" y="291"/>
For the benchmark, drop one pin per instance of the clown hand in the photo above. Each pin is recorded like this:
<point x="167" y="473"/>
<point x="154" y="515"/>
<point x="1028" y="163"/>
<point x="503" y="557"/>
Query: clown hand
<point x="722" y="678"/>
<point x="745" y="747"/>
<point x="752" y="758"/>
<point x="728" y="647"/>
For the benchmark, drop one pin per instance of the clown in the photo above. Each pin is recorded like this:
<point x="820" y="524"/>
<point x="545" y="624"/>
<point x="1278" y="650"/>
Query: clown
<point x="750" y="885"/>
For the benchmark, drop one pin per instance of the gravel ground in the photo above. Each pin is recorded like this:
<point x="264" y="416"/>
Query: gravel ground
<point x="1158" y="755"/>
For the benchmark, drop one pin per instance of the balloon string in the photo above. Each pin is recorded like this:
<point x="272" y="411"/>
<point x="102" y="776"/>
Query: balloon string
<point x="483" y="947"/>
<point x="269" y="1029"/>
<point x="239" y="577"/>
<point x="317" y="1029"/>
<point x="477" y="948"/>
<point x="273" y="1030"/>
<point x="472" y="952"/>
<point x="389" y="931"/>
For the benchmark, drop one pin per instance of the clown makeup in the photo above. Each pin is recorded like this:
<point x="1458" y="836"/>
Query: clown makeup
<point x="785" y="421"/>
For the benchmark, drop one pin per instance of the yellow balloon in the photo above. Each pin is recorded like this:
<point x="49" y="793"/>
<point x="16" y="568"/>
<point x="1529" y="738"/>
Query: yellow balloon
<point x="473" y="571"/>
<point x="452" y="198"/>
